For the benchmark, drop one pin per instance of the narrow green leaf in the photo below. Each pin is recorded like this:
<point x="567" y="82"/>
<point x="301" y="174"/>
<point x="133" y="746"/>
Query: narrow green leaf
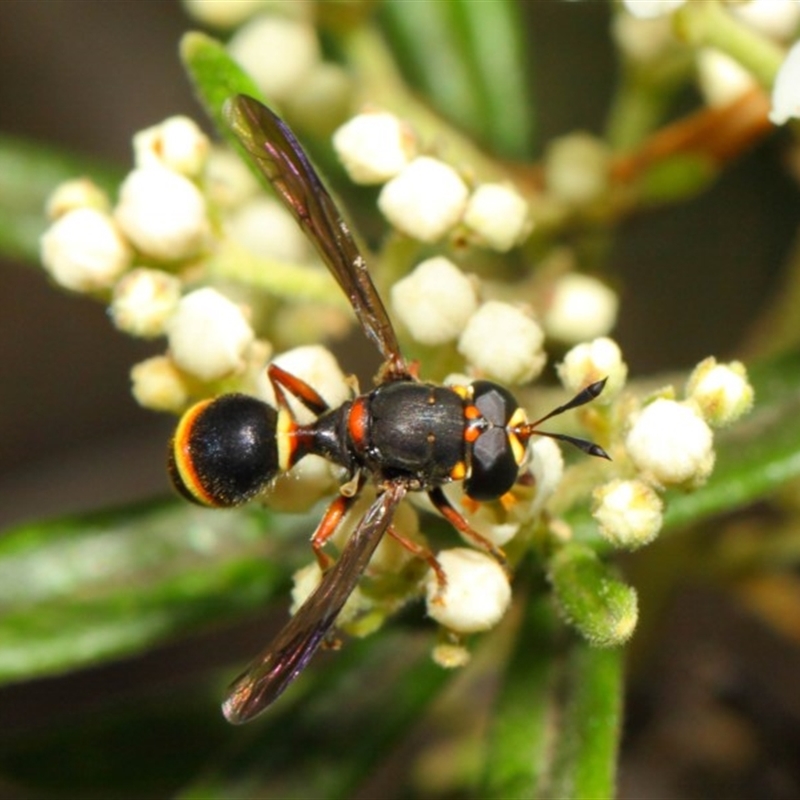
<point x="519" y="740"/>
<point x="555" y="730"/>
<point x="501" y="70"/>
<point x="74" y="592"/>
<point x="469" y="59"/>
<point x="216" y="76"/>
<point x="29" y="172"/>
<point x="585" y="755"/>
<point x="430" y="51"/>
<point x="677" y="178"/>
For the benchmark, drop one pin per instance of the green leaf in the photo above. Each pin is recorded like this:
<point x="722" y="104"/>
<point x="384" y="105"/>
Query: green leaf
<point x="77" y="591"/>
<point x="469" y="58"/>
<point x="584" y="759"/>
<point x="29" y="172"/>
<point x="555" y="727"/>
<point x="677" y="178"/>
<point x="216" y="77"/>
<point x="520" y="733"/>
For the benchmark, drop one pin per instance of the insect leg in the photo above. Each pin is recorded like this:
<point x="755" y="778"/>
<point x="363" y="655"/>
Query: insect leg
<point x="298" y="388"/>
<point x="426" y="554"/>
<point x="445" y="508"/>
<point x="327" y="527"/>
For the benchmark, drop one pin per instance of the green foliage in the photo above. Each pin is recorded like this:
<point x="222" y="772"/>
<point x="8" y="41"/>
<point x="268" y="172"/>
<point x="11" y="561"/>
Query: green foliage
<point x="28" y="174"/>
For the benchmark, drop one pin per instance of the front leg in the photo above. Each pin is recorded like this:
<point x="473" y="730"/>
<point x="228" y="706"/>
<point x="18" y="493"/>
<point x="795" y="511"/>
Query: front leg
<point x="446" y="509"/>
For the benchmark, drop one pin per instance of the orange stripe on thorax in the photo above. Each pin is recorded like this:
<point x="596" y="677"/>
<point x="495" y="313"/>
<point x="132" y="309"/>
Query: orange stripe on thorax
<point x="358" y="422"/>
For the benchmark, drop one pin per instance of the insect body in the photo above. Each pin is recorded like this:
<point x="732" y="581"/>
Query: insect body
<point x="404" y="435"/>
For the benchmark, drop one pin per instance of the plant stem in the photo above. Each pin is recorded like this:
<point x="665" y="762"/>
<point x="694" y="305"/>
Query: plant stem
<point x="708" y="24"/>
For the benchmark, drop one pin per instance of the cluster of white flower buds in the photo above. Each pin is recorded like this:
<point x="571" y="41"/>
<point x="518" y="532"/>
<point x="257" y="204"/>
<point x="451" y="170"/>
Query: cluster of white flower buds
<point x="422" y="196"/>
<point x="646" y="31"/>
<point x="669" y="443"/>
<point x="183" y="201"/>
<point x="161" y="216"/>
<point x="280" y="50"/>
<point x="138" y="254"/>
<point x="438" y="303"/>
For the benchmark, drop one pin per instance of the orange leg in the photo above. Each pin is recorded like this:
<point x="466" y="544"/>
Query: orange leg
<point x="420" y="551"/>
<point x="327" y="527"/>
<point x="308" y="396"/>
<point x="441" y="502"/>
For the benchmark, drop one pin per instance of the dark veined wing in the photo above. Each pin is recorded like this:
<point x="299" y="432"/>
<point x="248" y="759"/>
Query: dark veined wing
<point x="279" y="156"/>
<point x="288" y="654"/>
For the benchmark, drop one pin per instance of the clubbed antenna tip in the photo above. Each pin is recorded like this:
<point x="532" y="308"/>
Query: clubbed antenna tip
<point x="585" y="395"/>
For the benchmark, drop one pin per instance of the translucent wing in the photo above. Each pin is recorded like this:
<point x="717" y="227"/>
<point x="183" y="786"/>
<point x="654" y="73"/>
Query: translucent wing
<point x="287" y="655"/>
<point x="279" y="156"/>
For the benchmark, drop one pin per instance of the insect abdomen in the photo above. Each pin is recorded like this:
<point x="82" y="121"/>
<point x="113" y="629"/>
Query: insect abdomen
<point x="224" y="451"/>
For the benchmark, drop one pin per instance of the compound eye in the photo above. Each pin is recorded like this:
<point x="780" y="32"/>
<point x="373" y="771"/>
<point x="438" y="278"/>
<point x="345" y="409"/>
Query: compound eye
<point x="496" y="404"/>
<point x="493" y="468"/>
<point x="224" y="451"/>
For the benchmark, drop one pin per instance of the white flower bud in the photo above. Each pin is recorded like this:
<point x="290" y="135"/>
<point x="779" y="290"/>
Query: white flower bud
<point x="647" y="9"/>
<point x="390" y="556"/>
<point x="163" y="214"/>
<point x="425" y="200"/>
<point x="786" y="89"/>
<point x="721" y="391"/>
<point x="547" y="467"/>
<point x="222" y="13"/>
<point x="209" y="335"/>
<point x="642" y="40"/>
<point x="434" y="301"/>
<point x="306" y="483"/>
<point x="159" y="385"/>
<point x="228" y="181"/>
<point x="318" y="367"/>
<point x="450" y="655"/>
<point x="177" y="144"/>
<point x="671" y="443"/>
<point x="576" y="168"/>
<point x="593" y="361"/>
<point x="323" y="99"/>
<point x="77" y="193"/>
<point x="84" y="251"/>
<point x="143" y="300"/>
<point x="777" y="19"/>
<point x="498" y="522"/>
<point x="306" y="580"/>
<point x="498" y="215"/>
<point x="267" y="230"/>
<point x="477" y="593"/>
<point x="629" y="513"/>
<point x="277" y="52"/>
<point x="722" y="80"/>
<point x="373" y="147"/>
<point x="580" y="308"/>
<point x="502" y="341"/>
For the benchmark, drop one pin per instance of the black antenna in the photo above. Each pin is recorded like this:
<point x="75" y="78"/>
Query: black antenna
<point x="584" y="396"/>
